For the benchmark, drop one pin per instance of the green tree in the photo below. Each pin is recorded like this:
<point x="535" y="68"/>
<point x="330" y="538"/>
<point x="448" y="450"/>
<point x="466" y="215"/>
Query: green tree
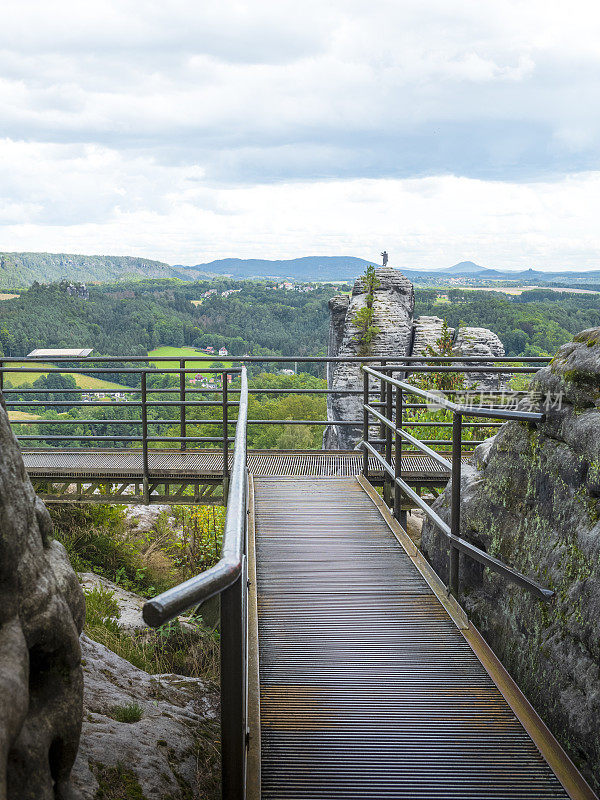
<point x="364" y="317"/>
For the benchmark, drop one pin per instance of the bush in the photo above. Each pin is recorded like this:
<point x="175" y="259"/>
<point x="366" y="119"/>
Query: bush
<point x="96" y="540"/>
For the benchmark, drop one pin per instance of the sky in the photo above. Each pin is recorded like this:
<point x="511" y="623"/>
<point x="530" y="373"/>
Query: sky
<point x="186" y="132"/>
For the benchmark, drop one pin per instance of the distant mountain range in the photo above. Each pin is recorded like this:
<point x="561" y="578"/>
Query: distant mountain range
<point x="339" y="268"/>
<point x="308" y="268"/>
<point x="471" y="270"/>
<point x="18" y="270"/>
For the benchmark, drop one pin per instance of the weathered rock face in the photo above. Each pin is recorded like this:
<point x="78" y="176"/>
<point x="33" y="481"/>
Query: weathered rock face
<point x="399" y="336"/>
<point x="160" y="755"/>
<point x="480" y="342"/>
<point x="393" y="306"/>
<point x="41" y="615"/>
<point x="427" y="332"/>
<point x="533" y="500"/>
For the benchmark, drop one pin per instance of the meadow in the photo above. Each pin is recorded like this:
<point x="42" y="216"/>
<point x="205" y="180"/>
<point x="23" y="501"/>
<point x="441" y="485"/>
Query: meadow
<point x="86" y="383"/>
<point x="181" y="353"/>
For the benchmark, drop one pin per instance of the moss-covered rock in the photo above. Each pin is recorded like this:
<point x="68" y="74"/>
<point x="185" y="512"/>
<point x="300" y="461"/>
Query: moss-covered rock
<point x="532" y="498"/>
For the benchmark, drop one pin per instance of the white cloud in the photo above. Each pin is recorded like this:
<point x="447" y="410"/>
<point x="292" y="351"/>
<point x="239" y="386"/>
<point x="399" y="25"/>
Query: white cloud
<point x="136" y="206"/>
<point x="215" y="124"/>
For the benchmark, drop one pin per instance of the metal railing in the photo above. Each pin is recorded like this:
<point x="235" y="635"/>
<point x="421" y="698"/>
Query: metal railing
<point x="228" y="579"/>
<point x="146" y="430"/>
<point x="395" y="487"/>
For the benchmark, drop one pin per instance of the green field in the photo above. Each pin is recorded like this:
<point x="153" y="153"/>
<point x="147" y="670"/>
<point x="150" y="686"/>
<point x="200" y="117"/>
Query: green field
<point x="86" y="383"/>
<point x="17" y="416"/>
<point x="184" y="352"/>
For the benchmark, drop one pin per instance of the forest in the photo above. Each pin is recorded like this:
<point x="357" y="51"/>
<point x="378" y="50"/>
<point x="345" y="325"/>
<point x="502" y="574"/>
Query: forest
<point x="132" y="318"/>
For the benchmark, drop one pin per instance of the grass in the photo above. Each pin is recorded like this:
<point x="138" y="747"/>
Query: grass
<point x="86" y="383"/>
<point x="183" y="352"/>
<point x="116" y="783"/>
<point x="97" y="540"/>
<point x="192" y="650"/>
<point x="17" y="416"/>
<point x="130" y="712"/>
<point x="101" y="608"/>
<point x="4" y="296"/>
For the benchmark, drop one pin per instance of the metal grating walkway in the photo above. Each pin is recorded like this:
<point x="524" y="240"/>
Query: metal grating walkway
<point x="74" y="463"/>
<point x="367" y="688"/>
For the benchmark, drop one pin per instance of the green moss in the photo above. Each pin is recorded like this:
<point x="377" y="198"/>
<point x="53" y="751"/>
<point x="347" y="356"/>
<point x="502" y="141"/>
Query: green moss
<point x="582" y="376"/>
<point x="116" y="783"/>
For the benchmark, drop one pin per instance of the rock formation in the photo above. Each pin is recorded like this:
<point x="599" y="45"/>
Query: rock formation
<point x="532" y="498"/>
<point x="393" y="306"/>
<point x="399" y="336"/>
<point x="427" y="332"/>
<point x="466" y="342"/>
<point x="480" y="342"/>
<point x="161" y="754"/>
<point x="41" y="615"/>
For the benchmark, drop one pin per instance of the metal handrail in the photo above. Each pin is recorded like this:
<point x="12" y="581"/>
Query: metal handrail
<point x="194" y="591"/>
<point x="182" y="397"/>
<point x="282" y="359"/>
<point x="456" y="408"/>
<point x="394" y="482"/>
<point x="228" y="579"/>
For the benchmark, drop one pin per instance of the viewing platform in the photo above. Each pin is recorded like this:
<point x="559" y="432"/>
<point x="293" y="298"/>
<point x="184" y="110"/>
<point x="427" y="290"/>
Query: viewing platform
<point x="348" y="668"/>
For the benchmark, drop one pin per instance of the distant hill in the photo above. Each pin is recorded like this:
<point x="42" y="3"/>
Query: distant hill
<point x="18" y="270"/>
<point x="464" y="268"/>
<point x="308" y="268"/>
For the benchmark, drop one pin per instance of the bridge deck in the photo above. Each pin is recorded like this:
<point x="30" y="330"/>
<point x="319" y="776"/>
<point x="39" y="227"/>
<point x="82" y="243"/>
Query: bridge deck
<point x="208" y="464"/>
<point x="368" y="689"/>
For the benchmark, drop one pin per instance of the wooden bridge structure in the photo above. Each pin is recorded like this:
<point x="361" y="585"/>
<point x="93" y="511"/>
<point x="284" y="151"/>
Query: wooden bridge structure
<point x="348" y="669"/>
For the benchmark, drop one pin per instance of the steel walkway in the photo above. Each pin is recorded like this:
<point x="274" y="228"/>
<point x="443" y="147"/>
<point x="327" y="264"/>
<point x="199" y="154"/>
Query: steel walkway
<point x="80" y="464"/>
<point x="368" y="688"/>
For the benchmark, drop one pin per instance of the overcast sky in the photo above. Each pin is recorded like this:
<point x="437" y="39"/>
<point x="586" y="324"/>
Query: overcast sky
<point x="187" y="131"/>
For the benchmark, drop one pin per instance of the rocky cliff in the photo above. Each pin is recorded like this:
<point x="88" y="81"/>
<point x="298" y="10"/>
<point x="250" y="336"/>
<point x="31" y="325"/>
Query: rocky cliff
<point x="427" y="332"/>
<point x="41" y="616"/>
<point x="393" y="305"/>
<point x="467" y="341"/>
<point x="480" y="342"/>
<point x="398" y="336"/>
<point x="532" y="498"/>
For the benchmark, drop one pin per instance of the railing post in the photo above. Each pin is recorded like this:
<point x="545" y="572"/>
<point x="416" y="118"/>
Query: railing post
<point x="382" y="393"/>
<point x="225" y="436"/>
<point x="145" y="437"/>
<point x="399" y="514"/>
<point x="387" y="490"/>
<point x="233" y="691"/>
<point x="365" y="423"/>
<point x="455" y="509"/>
<point x="182" y="415"/>
<point x="1" y="376"/>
